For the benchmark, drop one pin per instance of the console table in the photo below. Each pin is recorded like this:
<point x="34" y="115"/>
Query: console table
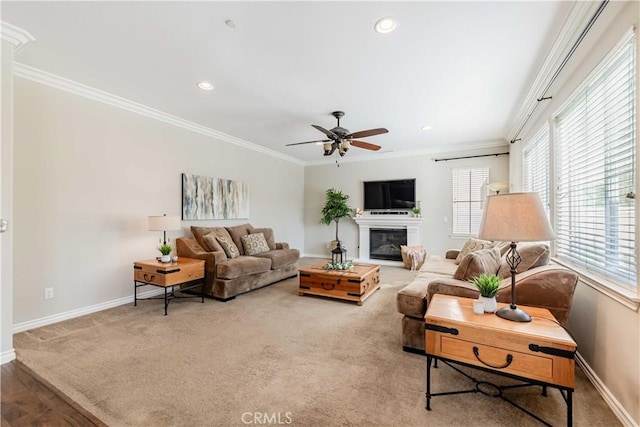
<point x="540" y="352"/>
<point x="187" y="273"/>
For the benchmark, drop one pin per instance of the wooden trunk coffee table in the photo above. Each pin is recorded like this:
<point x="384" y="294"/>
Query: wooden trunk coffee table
<point x="355" y="284"/>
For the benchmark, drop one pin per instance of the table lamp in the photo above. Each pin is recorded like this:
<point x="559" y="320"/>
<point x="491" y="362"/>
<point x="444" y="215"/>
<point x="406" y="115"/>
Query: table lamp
<point x="514" y="217"/>
<point x="164" y="223"/>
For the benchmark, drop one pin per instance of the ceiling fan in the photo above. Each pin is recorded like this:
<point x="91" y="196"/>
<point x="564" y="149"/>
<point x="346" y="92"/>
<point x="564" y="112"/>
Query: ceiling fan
<point x="341" y="139"/>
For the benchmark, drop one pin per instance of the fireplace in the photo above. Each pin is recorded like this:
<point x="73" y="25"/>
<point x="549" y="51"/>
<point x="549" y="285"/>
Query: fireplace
<point x="410" y="226"/>
<point x="384" y="243"/>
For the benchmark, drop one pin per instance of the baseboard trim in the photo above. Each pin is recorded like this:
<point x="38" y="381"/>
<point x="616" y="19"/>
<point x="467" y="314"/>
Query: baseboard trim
<point x="49" y="320"/>
<point x="619" y="411"/>
<point x="7" y="356"/>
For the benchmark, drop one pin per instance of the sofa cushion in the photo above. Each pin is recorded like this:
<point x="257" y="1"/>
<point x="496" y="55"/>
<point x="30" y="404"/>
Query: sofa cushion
<point x="242" y="266"/>
<point x="237" y="232"/>
<point x="478" y="262"/>
<point x="211" y="244"/>
<point x="229" y="247"/>
<point x="472" y="245"/>
<point x="281" y="257"/>
<point x="254" y="244"/>
<point x="200" y="232"/>
<point x="439" y="265"/>
<point x="268" y="235"/>
<point x="532" y="254"/>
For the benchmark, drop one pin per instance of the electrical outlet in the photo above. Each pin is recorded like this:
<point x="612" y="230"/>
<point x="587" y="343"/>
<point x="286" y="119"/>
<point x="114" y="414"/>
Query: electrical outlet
<point x="48" y="293"/>
<point x="446" y="219"/>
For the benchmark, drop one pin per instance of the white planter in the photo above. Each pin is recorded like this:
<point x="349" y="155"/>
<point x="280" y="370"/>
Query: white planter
<point x="490" y="304"/>
<point x="165" y="258"/>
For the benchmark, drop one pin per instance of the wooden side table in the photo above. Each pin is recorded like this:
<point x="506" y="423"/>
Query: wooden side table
<point x="187" y="273"/>
<point x="540" y="352"/>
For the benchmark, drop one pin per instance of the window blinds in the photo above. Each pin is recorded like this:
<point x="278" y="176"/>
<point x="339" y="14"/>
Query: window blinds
<point x="536" y="166"/>
<point x="467" y="199"/>
<point x="595" y="171"/>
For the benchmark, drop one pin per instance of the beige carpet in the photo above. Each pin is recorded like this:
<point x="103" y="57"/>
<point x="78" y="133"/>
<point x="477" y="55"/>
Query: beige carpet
<point x="295" y="360"/>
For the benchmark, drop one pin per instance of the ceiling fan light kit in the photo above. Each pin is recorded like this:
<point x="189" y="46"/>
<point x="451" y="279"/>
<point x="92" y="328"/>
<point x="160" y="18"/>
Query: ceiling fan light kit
<point x="341" y="140"/>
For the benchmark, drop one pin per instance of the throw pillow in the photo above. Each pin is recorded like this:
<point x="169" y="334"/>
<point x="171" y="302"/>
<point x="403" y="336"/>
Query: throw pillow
<point x="533" y="255"/>
<point x="472" y="245"/>
<point x="478" y="262"/>
<point x="268" y="235"/>
<point x="254" y="244"/>
<point x="211" y="243"/>
<point x="413" y="256"/>
<point x="229" y="247"/>
<point x="236" y="232"/>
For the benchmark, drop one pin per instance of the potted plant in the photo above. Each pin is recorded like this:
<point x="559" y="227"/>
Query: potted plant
<point x="488" y="285"/>
<point x="165" y="250"/>
<point x="417" y="211"/>
<point x="335" y="208"/>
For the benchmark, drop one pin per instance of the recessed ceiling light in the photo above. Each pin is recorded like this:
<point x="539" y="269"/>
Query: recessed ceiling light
<point x="205" y="85"/>
<point x="385" y="25"/>
<point x="427" y="127"/>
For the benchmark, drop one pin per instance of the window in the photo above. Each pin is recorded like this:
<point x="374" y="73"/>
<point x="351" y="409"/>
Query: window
<point x="595" y="171"/>
<point x="536" y="165"/>
<point x="468" y="199"/>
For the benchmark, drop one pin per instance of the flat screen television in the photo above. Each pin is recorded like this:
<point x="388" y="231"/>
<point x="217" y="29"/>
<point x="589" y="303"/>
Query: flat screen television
<point x="393" y="194"/>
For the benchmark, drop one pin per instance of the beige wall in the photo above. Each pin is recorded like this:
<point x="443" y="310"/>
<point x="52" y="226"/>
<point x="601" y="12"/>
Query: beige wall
<point x="607" y="331"/>
<point x="88" y="175"/>
<point x="433" y="190"/>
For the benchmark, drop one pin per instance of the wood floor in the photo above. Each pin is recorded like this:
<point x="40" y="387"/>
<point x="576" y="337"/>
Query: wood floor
<point x="29" y="400"/>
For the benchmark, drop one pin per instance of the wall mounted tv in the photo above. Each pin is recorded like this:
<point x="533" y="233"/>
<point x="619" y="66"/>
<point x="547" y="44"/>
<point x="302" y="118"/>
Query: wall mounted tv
<point x="394" y="194"/>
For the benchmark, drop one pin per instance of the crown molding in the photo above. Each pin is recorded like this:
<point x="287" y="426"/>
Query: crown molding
<point x="27" y="72"/>
<point x="580" y="14"/>
<point x="18" y="37"/>
<point x="476" y="145"/>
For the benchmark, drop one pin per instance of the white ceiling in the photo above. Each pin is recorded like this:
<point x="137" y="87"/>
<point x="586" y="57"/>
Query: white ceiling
<point x="460" y="67"/>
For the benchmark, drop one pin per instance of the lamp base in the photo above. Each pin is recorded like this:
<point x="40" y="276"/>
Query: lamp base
<point x="514" y="314"/>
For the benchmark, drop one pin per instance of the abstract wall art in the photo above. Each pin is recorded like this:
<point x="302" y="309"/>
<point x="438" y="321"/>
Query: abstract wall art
<point x="213" y="198"/>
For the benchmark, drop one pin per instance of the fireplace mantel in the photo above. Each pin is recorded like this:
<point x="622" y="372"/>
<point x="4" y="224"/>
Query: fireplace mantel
<point x="365" y="222"/>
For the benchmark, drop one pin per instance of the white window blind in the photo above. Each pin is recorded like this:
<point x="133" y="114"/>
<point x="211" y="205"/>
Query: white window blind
<point x="467" y="199"/>
<point x="536" y="165"/>
<point x="595" y="169"/>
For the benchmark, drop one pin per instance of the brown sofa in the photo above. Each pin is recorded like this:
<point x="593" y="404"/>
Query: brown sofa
<point x="226" y="277"/>
<point x="538" y="284"/>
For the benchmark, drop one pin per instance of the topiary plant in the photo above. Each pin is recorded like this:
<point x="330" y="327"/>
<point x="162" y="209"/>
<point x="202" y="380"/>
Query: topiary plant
<point x="335" y="208"/>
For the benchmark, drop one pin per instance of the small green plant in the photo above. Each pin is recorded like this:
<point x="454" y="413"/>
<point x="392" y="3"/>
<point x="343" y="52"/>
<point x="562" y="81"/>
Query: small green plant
<point x="165" y="249"/>
<point x="487" y="284"/>
<point x="416" y="210"/>
<point x="338" y="265"/>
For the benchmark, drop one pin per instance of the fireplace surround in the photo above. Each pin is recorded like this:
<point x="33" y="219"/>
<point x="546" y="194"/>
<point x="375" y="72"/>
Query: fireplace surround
<point x="394" y="222"/>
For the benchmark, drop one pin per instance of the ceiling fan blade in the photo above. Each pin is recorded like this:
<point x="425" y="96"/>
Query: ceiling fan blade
<point x="365" y="133"/>
<point x="365" y="145"/>
<point x="326" y="132"/>
<point x="308" y="142"/>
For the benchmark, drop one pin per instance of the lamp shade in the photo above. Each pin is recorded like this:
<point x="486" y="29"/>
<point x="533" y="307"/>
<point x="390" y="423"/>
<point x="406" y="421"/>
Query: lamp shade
<point x="164" y="223"/>
<point x="515" y="217"/>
